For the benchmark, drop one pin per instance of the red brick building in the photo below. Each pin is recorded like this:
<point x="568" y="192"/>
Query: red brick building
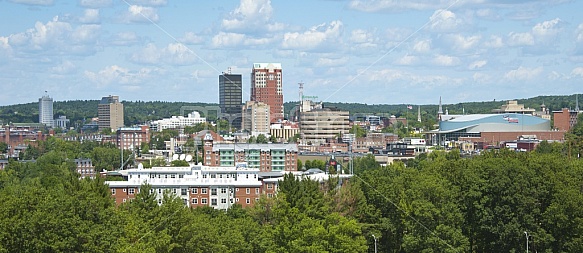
<point x="565" y="119"/>
<point x="267" y="87"/>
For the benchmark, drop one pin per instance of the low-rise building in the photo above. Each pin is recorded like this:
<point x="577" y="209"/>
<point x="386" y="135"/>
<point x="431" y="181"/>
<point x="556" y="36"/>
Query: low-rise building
<point x="175" y="122"/>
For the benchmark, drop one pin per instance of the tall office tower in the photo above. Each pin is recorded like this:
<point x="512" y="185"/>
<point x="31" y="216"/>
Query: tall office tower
<point x="267" y="87"/>
<point x="45" y="110"/>
<point x="231" y="98"/>
<point x="110" y="113"/>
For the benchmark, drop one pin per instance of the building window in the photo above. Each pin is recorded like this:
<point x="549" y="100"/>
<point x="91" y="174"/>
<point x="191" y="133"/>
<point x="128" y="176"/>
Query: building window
<point x="195" y="201"/>
<point x="159" y="190"/>
<point x="213" y="176"/>
<point x="203" y="201"/>
<point x="269" y="195"/>
<point x="213" y="202"/>
<point x="269" y="186"/>
<point x="194" y="190"/>
<point x="247" y="191"/>
<point x="112" y="191"/>
<point x="236" y="189"/>
<point x="124" y="200"/>
<point x="223" y="201"/>
<point x="124" y="189"/>
<point x="237" y="200"/>
<point x="256" y="190"/>
<point x="204" y="175"/>
<point x="132" y="191"/>
<point x="223" y="190"/>
<point x="203" y="190"/>
<point x="182" y="191"/>
<point x="248" y="201"/>
<point x="214" y="191"/>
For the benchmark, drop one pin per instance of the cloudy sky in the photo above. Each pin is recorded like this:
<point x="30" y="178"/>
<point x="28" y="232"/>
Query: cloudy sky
<point x="371" y="51"/>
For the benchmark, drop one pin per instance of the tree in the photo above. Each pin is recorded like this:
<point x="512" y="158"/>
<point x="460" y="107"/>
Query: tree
<point x="261" y="138"/>
<point x="179" y="163"/>
<point x="359" y="131"/>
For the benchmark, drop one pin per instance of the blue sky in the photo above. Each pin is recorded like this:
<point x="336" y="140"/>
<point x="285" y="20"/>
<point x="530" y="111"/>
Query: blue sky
<point x="367" y="51"/>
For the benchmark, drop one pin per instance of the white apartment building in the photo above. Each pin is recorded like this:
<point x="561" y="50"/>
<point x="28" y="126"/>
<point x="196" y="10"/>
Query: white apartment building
<point x="191" y="119"/>
<point x="197" y="185"/>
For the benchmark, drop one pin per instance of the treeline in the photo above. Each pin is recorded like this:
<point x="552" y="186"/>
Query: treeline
<point x="138" y="112"/>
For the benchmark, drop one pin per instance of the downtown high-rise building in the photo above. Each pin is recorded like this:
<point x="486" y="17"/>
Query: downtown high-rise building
<point x="110" y="113"/>
<point x="267" y="87"/>
<point x="231" y="98"/>
<point x="45" y="110"/>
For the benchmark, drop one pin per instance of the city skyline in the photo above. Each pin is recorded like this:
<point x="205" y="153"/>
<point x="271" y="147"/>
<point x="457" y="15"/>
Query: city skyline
<point x="374" y="52"/>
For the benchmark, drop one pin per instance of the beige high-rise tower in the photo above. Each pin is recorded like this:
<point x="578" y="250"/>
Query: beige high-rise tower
<point x="110" y="113"/>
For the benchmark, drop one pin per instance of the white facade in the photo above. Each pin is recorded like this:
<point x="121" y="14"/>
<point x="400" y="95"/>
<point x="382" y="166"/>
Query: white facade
<point x="45" y="110"/>
<point x="222" y="182"/>
<point x="192" y="119"/>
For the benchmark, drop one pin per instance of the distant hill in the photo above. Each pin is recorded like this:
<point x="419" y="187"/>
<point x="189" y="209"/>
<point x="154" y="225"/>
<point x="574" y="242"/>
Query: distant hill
<point x="136" y="112"/>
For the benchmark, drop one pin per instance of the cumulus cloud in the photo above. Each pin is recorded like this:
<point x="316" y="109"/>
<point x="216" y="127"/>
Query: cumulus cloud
<point x="407" y="60"/>
<point x="494" y="42"/>
<point x="33" y="2"/>
<point x="191" y="38"/>
<point x="140" y="14"/>
<point x="446" y="60"/>
<point x="445" y="21"/>
<point x="65" y="67"/>
<point x="124" y="39"/>
<point x="149" y="2"/>
<point x="91" y="16"/>
<point x="523" y="74"/>
<point x="459" y="42"/>
<point x="401" y="77"/>
<point x="234" y="40"/>
<point x="173" y="54"/>
<point x="392" y="5"/>
<point x="423" y="46"/>
<point x="520" y="39"/>
<point x="315" y="37"/>
<point x="331" y="62"/>
<point x="95" y="3"/>
<point x="250" y="16"/>
<point x="116" y="75"/>
<point x="477" y="64"/>
<point x="577" y="72"/>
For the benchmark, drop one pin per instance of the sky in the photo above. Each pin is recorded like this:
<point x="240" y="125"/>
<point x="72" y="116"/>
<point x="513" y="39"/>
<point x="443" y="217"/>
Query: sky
<point x="361" y="51"/>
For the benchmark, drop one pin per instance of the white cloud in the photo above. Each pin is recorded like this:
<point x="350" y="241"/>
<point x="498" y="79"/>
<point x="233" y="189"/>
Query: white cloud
<point x="331" y="62"/>
<point x="65" y="67"/>
<point x="403" y="78"/>
<point x="227" y="40"/>
<point x="124" y="39"/>
<point x="577" y="72"/>
<point x="446" y="60"/>
<point x="49" y="37"/>
<point x="137" y="14"/>
<point x="317" y="36"/>
<point x="579" y="33"/>
<point x="251" y="15"/>
<point x="95" y="3"/>
<point x="489" y="14"/>
<point x="520" y="39"/>
<point x="523" y="74"/>
<point x="149" y="2"/>
<point x="477" y="64"/>
<point x="481" y="78"/>
<point x="407" y="60"/>
<point x="391" y="5"/>
<point x="548" y="28"/>
<point x="191" y="38"/>
<point x="116" y="75"/>
<point x="494" y="42"/>
<point x="462" y="43"/>
<point x="173" y="54"/>
<point x="33" y="2"/>
<point x="423" y="46"/>
<point x="85" y="34"/>
<point x="444" y="21"/>
<point x="91" y="16"/>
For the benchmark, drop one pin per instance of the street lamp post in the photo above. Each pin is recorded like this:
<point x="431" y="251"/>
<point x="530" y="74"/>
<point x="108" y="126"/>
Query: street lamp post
<point x="526" y="233"/>
<point x="375" y="243"/>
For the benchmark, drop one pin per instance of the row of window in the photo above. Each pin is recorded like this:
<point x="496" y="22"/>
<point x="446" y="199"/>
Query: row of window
<point x="214" y="202"/>
<point x="183" y="191"/>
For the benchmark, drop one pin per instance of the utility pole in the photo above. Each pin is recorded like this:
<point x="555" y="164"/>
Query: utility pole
<point x="526" y="233"/>
<point x="375" y="244"/>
